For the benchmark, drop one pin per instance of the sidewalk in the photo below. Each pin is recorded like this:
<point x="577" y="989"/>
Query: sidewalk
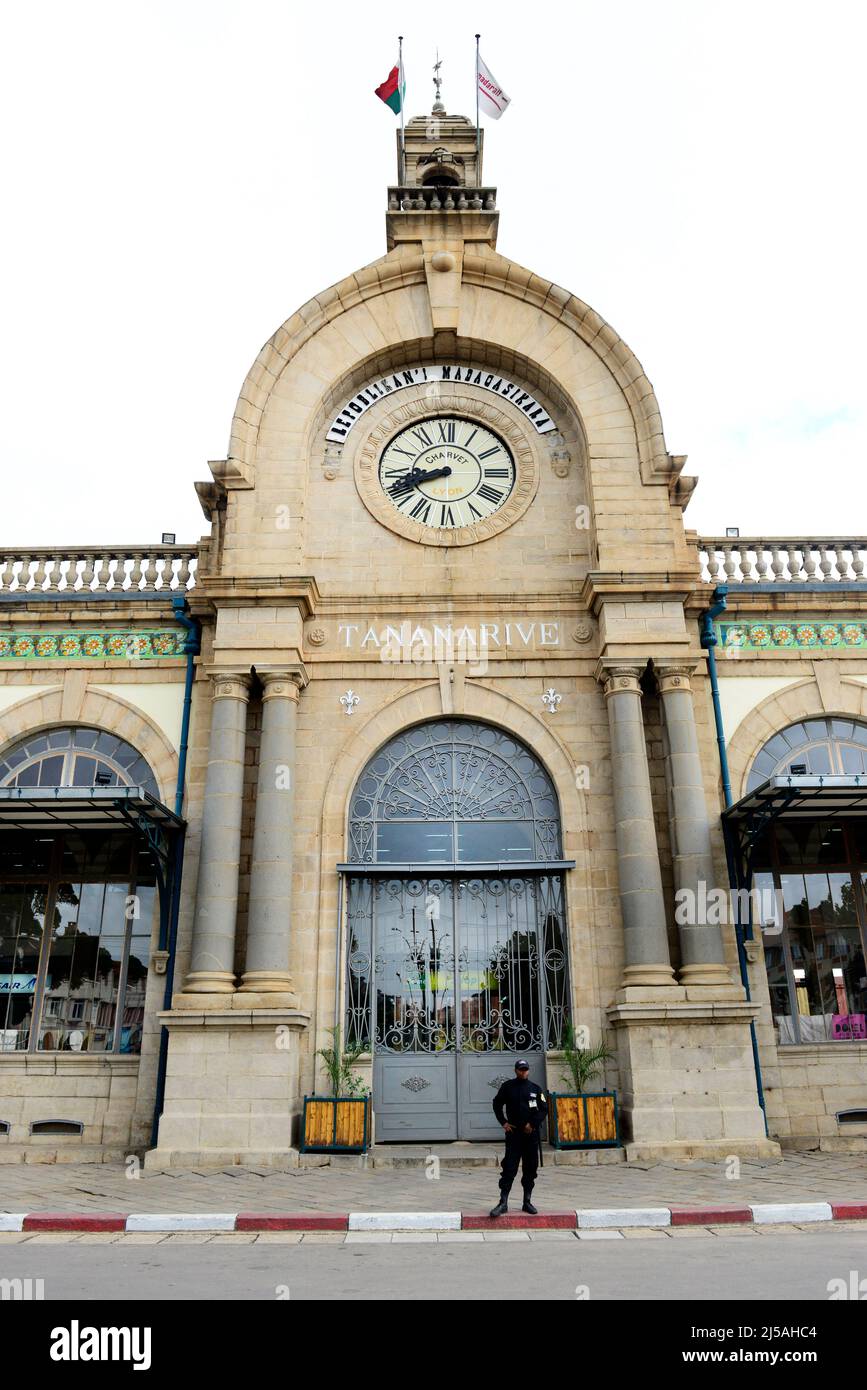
<point x="343" y="1187"/>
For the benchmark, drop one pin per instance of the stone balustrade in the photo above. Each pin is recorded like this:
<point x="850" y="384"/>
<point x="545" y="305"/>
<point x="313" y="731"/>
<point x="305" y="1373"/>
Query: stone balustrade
<point x="128" y="570"/>
<point x="782" y="560"/>
<point x="432" y="199"/>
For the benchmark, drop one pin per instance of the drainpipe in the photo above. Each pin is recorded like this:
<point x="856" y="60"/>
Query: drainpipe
<point x="708" y="641"/>
<point x="191" y="648"/>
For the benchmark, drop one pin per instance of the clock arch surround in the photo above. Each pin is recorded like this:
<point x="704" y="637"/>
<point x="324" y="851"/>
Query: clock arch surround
<point x="416" y="404"/>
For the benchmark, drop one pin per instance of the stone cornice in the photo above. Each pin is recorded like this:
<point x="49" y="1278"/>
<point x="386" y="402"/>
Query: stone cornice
<point x="682" y="1011"/>
<point x="228" y="591"/>
<point x="651" y="585"/>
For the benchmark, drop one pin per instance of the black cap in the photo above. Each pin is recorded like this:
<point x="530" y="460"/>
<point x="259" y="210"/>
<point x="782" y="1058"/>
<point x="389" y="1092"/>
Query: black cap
<point x="521" y="1065"/>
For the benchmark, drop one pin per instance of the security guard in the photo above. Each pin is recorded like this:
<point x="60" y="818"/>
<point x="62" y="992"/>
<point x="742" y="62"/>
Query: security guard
<point x="520" y="1107"/>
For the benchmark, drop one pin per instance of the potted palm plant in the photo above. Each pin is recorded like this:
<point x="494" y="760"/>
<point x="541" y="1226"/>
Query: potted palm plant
<point x="579" y="1118"/>
<point x="340" y="1122"/>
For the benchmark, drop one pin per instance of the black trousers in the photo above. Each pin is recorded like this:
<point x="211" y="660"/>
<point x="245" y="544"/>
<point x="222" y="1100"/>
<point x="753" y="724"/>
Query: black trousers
<point x="522" y="1150"/>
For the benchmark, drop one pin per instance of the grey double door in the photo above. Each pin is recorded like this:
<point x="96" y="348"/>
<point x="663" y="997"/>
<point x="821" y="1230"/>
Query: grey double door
<point x="465" y="972"/>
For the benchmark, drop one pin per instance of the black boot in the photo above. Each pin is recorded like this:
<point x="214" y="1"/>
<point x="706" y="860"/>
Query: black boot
<point x="502" y="1206"/>
<point x="528" y="1206"/>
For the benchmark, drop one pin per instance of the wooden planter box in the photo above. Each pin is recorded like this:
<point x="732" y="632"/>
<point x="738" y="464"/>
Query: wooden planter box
<point x="589" y="1121"/>
<point x="335" y="1124"/>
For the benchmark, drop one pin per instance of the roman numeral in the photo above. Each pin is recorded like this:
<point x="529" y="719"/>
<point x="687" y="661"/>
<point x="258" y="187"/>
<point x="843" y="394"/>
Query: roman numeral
<point x="469" y="441"/>
<point x="447" y="516"/>
<point x="486" y="453"/>
<point x="447" y="431"/>
<point x="476" y="514"/>
<point x="425" y="438"/>
<point x="396" y="449"/>
<point x="421" y="509"/>
<point x="490" y="494"/>
<point x="394" y="472"/>
<point x="496" y="472"/>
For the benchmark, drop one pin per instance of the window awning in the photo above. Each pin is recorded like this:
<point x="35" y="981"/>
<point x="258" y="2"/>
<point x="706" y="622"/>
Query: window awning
<point x="788" y="799"/>
<point x="802" y="798"/>
<point x="84" y="808"/>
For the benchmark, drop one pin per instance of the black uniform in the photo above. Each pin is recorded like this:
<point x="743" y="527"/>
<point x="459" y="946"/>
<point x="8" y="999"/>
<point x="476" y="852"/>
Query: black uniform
<point x="520" y="1103"/>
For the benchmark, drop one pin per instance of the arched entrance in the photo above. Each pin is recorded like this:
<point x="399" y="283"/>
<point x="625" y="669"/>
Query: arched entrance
<point x="456" y="955"/>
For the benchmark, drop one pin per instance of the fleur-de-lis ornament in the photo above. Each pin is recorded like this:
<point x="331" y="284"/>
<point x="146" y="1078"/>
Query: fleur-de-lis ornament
<point x="551" y="700"/>
<point x="349" y="701"/>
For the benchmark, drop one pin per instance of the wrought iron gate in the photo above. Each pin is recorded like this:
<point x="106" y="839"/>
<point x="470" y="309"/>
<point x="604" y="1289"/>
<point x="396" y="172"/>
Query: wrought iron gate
<point x="449" y="980"/>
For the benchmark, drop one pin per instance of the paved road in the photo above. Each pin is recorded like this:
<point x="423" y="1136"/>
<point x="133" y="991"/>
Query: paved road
<point x="791" y="1264"/>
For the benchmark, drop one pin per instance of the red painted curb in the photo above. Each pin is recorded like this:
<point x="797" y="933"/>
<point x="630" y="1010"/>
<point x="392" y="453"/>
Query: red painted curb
<point x="519" y="1221"/>
<point x="308" y="1221"/>
<point x="66" y="1221"/>
<point x="849" y="1211"/>
<point x="709" y="1216"/>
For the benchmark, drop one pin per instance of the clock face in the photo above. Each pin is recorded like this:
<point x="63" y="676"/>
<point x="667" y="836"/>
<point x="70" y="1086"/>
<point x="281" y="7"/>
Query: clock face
<point x="447" y="472"/>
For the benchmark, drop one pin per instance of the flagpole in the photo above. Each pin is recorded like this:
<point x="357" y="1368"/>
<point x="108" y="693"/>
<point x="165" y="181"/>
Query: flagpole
<point x="478" y="135"/>
<point x="400" y="87"/>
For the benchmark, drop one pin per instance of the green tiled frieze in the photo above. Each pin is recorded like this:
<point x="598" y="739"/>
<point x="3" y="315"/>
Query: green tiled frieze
<point x="806" y="636"/>
<point x="74" y="644"/>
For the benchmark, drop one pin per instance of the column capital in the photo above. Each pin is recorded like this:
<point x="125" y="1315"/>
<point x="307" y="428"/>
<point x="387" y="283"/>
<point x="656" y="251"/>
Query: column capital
<point x="618" y="679"/>
<point x="282" y="683"/>
<point x="674" y="677"/>
<point x="230" y="685"/>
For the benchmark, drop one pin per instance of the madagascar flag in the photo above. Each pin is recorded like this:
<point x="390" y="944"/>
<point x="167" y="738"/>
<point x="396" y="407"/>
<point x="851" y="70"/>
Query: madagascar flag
<point x="392" y="90"/>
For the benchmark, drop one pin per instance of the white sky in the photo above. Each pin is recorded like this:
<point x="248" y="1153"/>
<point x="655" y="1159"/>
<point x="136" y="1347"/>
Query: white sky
<point x="181" y="176"/>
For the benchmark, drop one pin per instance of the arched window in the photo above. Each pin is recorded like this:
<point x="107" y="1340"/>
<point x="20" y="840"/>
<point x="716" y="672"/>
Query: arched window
<point x="456" y="951"/>
<point x="76" y="757"/>
<point x="810" y="874"/>
<point x="454" y="791"/>
<point x="76" y="907"/>
<point x="817" y="747"/>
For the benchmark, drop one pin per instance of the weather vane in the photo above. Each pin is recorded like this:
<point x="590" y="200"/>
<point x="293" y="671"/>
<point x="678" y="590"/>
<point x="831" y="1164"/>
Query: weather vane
<point x="438" y="82"/>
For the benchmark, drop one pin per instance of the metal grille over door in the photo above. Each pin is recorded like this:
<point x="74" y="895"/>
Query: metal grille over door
<point x="452" y="974"/>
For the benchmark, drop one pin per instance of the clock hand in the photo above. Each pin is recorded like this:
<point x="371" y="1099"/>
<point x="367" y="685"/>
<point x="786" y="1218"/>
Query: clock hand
<point x="416" y="476"/>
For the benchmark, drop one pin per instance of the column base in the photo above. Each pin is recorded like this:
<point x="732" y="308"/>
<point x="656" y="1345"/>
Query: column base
<point x="269" y="982"/>
<point x="210" y="982"/>
<point x="688" y="1083"/>
<point x="714" y="1151"/>
<point x="233" y="1089"/>
<point x="649" y="976"/>
<point x="718" y="976"/>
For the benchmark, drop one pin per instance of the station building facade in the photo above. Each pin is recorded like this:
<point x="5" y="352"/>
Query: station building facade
<point x="448" y="733"/>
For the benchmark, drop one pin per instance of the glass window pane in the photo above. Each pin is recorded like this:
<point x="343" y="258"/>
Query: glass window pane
<point x="22" y="916"/>
<point x="840" y="960"/>
<point x="816" y="728"/>
<point x="51" y="771"/>
<point x="414" y="842"/>
<point x="854" y="760"/>
<point x="84" y="772"/>
<point x="814" y="1008"/>
<point x="794" y="900"/>
<point x="842" y="728"/>
<point x="495" y="841"/>
<point x="22" y="853"/>
<point x="818" y="760"/>
<point x="28" y="776"/>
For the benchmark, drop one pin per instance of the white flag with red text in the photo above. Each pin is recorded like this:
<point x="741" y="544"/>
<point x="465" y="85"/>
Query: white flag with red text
<point x="492" y="99"/>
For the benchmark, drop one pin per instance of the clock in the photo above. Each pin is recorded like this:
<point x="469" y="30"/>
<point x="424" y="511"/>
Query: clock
<point x="444" y="465"/>
<point x="447" y="472"/>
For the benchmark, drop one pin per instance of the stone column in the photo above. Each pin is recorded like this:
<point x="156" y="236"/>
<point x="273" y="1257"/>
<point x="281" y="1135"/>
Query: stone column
<point x="269" y="917"/>
<point x="701" y="945"/>
<point x="213" y="954"/>
<point x="642" y="904"/>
